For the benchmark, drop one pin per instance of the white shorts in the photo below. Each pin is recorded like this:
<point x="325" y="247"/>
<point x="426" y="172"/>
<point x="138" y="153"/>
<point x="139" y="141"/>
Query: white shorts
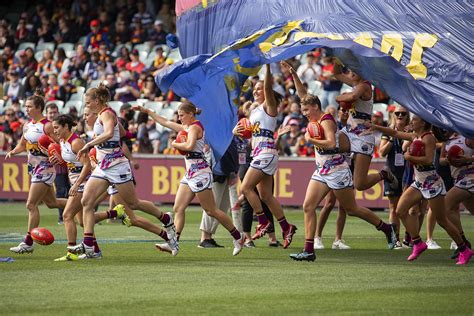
<point x="336" y="180"/>
<point x="431" y="193"/>
<point x="361" y="144"/>
<point x="118" y="174"/>
<point x="466" y="183"/>
<point x="267" y="163"/>
<point x="46" y="178"/>
<point x="199" y="183"/>
<point x="111" y="190"/>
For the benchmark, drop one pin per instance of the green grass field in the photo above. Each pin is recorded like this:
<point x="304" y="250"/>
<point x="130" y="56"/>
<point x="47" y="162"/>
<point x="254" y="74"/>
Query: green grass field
<point x="134" y="278"/>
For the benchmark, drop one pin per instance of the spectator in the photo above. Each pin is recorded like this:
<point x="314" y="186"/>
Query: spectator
<point x="16" y="106"/>
<point x="331" y="86"/>
<point x="32" y="83"/>
<point x="170" y="150"/>
<point x="66" y="89"/>
<point x="30" y="58"/>
<point x="310" y="71"/>
<point x="52" y="90"/>
<point x="111" y="84"/>
<point x="289" y="142"/>
<point x="7" y="57"/>
<point x="160" y="59"/>
<point x="21" y="64"/>
<point x="23" y="33"/>
<point x="12" y="128"/>
<point x="122" y="33"/>
<point x="149" y="89"/>
<point x="128" y="89"/>
<point x="158" y="35"/>
<point x="145" y="125"/>
<point x="6" y="40"/>
<point x="12" y="88"/>
<point x="143" y="16"/>
<point x="96" y="37"/>
<point x="46" y="65"/>
<point x="138" y="33"/>
<point x="91" y="71"/>
<point x="61" y="59"/>
<point x="135" y="66"/>
<point x="295" y="113"/>
<point x="64" y="33"/>
<point x="45" y="31"/>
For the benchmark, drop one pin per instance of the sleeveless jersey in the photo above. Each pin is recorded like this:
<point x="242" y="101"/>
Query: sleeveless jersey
<point x="329" y="161"/>
<point x="195" y="161"/>
<point x="74" y="166"/>
<point x="38" y="162"/>
<point x="467" y="170"/>
<point x="109" y="153"/>
<point x="263" y="129"/>
<point x="426" y="175"/>
<point x="360" y="113"/>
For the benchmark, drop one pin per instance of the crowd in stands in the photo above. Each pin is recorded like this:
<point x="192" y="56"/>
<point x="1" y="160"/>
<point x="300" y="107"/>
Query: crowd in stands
<point x="65" y="47"/>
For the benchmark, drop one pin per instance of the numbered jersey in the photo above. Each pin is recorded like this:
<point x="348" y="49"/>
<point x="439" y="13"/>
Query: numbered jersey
<point x="38" y="162"/>
<point x="195" y="161"/>
<point x="263" y="130"/>
<point x="74" y="166"/>
<point x="109" y="153"/>
<point x="329" y="161"/>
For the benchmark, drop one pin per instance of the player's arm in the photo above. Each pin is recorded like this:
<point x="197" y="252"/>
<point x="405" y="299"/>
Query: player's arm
<point x="270" y="100"/>
<point x="158" y="118"/>
<point x="339" y="75"/>
<point x="443" y="157"/>
<point x="300" y="88"/>
<point x="19" y="148"/>
<point x="392" y="132"/>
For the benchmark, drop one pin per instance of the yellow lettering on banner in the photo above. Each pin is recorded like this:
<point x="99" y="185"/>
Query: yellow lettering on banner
<point x="26" y="178"/>
<point x="204" y="4"/>
<point x="160" y="181"/>
<point x="177" y="173"/>
<point x="279" y="38"/>
<point x="284" y="183"/>
<point x="10" y="177"/>
<point x="365" y="39"/>
<point x="416" y="67"/>
<point x="394" y="41"/>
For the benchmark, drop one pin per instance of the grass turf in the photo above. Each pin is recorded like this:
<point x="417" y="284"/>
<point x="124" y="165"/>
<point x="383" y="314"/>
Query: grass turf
<point x="135" y="278"/>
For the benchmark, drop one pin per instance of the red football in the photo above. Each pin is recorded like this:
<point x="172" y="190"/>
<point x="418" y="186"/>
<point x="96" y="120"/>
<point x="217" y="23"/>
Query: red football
<point x="42" y="236"/>
<point x="247" y="132"/>
<point x="455" y="152"/>
<point x="55" y="149"/>
<point x="315" y="130"/>
<point x="417" y="148"/>
<point x="45" y="140"/>
<point x="182" y="137"/>
<point x="93" y="155"/>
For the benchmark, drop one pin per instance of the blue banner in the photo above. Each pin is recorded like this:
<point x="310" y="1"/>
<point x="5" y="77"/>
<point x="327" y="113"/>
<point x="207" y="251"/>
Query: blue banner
<point x="418" y="52"/>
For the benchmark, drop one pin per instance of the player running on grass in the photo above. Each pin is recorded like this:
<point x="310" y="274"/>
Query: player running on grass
<point x="264" y="160"/>
<point x="427" y="185"/>
<point x="198" y="179"/>
<point x="113" y="168"/>
<point x="117" y="203"/>
<point x="41" y="170"/>
<point x="462" y="171"/>
<point x="78" y="173"/>
<point x="332" y="173"/>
